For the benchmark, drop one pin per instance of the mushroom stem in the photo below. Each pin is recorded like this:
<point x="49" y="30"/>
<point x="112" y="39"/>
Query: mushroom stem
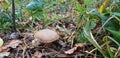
<point x="47" y="45"/>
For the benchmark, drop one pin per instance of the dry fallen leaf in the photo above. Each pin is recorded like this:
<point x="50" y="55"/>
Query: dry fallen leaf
<point x="71" y="51"/>
<point x="14" y="43"/>
<point x="37" y="54"/>
<point x="3" y="54"/>
<point x="75" y="49"/>
<point x="81" y="1"/>
<point x="4" y="49"/>
<point x="80" y="45"/>
<point x="25" y="35"/>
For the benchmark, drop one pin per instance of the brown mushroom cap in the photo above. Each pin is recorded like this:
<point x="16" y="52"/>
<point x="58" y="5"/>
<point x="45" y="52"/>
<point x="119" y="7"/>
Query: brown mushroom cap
<point x="46" y="36"/>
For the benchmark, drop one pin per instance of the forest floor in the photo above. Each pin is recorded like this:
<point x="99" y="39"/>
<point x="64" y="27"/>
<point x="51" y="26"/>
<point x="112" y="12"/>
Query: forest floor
<point x="70" y="26"/>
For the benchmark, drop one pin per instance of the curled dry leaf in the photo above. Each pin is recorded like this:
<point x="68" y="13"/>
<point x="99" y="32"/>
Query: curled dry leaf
<point x="75" y="49"/>
<point x="14" y="43"/>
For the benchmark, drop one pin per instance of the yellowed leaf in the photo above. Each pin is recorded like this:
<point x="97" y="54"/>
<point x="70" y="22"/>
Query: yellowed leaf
<point x="102" y="7"/>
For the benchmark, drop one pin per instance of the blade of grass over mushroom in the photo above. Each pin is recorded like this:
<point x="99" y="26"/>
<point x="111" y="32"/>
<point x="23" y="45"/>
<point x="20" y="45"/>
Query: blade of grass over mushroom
<point x="91" y="39"/>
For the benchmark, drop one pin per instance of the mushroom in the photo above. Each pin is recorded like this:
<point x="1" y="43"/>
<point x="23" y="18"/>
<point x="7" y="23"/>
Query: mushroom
<point x="46" y="36"/>
<point x="1" y="42"/>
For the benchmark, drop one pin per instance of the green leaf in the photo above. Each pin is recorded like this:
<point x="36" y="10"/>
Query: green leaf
<point x="112" y="25"/>
<point x="110" y="52"/>
<point x="116" y="34"/>
<point x="88" y="35"/>
<point x="81" y="38"/>
<point x="35" y="5"/>
<point x="114" y="41"/>
<point x="80" y="9"/>
<point x="89" y="2"/>
<point x="62" y="7"/>
<point x="93" y="24"/>
<point x="116" y="13"/>
<point x="116" y="1"/>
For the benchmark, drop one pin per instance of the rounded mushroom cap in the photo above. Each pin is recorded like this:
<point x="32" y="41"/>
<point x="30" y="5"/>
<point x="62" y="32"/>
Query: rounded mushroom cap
<point x="46" y="36"/>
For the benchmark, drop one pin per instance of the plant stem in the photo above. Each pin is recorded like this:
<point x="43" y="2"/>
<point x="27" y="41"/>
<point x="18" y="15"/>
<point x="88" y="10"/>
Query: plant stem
<point x="13" y="15"/>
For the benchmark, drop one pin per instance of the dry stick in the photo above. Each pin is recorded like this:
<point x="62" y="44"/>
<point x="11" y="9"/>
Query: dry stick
<point x="117" y="52"/>
<point x="13" y="15"/>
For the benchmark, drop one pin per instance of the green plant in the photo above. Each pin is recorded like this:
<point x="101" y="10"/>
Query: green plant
<point x="110" y="21"/>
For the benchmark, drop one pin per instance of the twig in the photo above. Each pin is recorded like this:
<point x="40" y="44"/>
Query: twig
<point x="117" y="51"/>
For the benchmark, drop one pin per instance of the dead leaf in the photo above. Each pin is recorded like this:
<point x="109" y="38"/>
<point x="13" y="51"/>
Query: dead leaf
<point x="81" y="1"/>
<point x="25" y="35"/>
<point x="80" y="45"/>
<point x="14" y="43"/>
<point x="4" y="49"/>
<point x="3" y="54"/>
<point x="71" y="51"/>
<point x="14" y="35"/>
<point x="61" y="56"/>
<point x="75" y="49"/>
<point x="37" y="54"/>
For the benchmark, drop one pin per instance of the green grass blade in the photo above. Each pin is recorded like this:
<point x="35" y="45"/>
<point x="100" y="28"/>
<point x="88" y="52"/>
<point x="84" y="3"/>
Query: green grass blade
<point x="91" y="39"/>
<point x="114" y="40"/>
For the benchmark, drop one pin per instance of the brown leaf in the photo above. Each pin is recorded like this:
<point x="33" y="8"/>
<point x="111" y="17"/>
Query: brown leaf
<point x="14" y="43"/>
<point x="81" y="1"/>
<point x="80" y="45"/>
<point x="37" y="54"/>
<point x="75" y="49"/>
<point x="25" y="35"/>
<point x="70" y="51"/>
<point x="4" y="49"/>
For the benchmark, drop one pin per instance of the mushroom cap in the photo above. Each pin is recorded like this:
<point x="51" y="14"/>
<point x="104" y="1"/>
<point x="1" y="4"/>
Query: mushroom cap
<point x="46" y="36"/>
